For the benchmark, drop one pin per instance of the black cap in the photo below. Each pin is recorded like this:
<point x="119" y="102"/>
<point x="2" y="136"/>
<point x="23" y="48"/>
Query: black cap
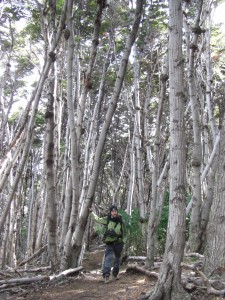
<point x="113" y="207"/>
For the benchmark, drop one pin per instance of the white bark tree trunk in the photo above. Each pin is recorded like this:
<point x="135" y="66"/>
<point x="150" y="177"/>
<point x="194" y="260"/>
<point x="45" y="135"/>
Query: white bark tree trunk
<point x="137" y="134"/>
<point x="215" y="246"/>
<point x="51" y="182"/>
<point x="169" y="284"/>
<point x="132" y="172"/>
<point x="71" y="207"/>
<point x="75" y="131"/>
<point x="92" y="135"/>
<point x="194" y="240"/>
<point x="152" y="223"/>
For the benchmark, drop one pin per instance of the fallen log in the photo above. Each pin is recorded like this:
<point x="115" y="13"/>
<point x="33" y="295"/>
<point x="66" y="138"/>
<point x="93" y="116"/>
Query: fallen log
<point x="27" y="270"/>
<point x="67" y="273"/>
<point x="142" y="271"/>
<point x="23" y="280"/>
<point x="26" y="280"/>
<point x="143" y="258"/>
<point x="136" y="258"/>
<point x="194" y="255"/>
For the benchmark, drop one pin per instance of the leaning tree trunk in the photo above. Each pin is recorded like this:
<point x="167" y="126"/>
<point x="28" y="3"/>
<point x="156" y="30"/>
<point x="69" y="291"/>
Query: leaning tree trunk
<point x="132" y="171"/>
<point x="29" y="137"/>
<point x="211" y="162"/>
<point x="75" y="131"/>
<point x="215" y="246"/>
<point x="50" y="150"/>
<point x="81" y="226"/>
<point x="169" y="283"/>
<point x="197" y="149"/>
<point x="153" y="218"/>
<point x="71" y="206"/>
<point x="138" y="137"/>
<point x="51" y="182"/>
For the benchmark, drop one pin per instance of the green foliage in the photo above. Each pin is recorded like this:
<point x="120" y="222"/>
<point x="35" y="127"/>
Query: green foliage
<point x="24" y="232"/>
<point x="133" y="234"/>
<point x="111" y="77"/>
<point x="40" y="118"/>
<point x="59" y="6"/>
<point x="129" y="76"/>
<point x="162" y="228"/>
<point x="33" y="27"/>
<point x="24" y="65"/>
<point x="14" y="117"/>
<point x="13" y="10"/>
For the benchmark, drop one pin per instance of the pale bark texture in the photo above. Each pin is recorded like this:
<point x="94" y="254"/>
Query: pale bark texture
<point x="169" y="284"/>
<point x="215" y="247"/>
<point x="71" y="205"/>
<point x="154" y="213"/>
<point x="131" y="177"/>
<point x="51" y="182"/>
<point x="211" y="159"/>
<point x="138" y="135"/>
<point x="51" y="150"/>
<point x="76" y="130"/>
<point x="197" y="149"/>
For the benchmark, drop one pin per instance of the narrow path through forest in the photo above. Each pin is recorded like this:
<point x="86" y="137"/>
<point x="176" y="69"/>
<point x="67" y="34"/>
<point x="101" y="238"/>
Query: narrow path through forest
<point x="87" y="285"/>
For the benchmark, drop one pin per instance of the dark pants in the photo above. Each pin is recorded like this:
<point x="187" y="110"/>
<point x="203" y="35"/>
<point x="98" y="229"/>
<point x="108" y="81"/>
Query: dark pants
<point x="112" y="258"/>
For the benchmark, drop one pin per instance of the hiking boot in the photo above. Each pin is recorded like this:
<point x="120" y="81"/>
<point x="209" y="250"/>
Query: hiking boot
<point x="114" y="278"/>
<point x="106" y="280"/>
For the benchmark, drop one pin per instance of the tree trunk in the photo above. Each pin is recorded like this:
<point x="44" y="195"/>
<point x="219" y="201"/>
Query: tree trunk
<point x="75" y="131"/>
<point x="131" y="181"/>
<point x="197" y="149"/>
<point x="169" y="284"/>
<point x="71" y="206"/>
<point x="215" y="246"/>
<point x="80" y="229"/>
<point x="153" y="218"/>
<point x="138" y="139"/>
<point x="51" y="182"/>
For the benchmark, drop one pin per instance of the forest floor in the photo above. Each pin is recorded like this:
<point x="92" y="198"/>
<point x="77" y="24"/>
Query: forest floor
<point x="88" y="285"/>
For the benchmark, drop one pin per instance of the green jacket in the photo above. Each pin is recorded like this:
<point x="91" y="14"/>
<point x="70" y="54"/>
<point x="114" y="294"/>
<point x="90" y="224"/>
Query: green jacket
<point x="117" y="227"/>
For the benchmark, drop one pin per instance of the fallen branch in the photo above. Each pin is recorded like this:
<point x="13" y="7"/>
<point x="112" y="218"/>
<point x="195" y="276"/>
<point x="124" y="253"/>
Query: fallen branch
<point x="33" y="256"/>
<point x="67" y="272"/>
<point x="136" y="258"/>
<point x="34" y="270"/>
<point x="206" y="281"/>
<point x="192" y="267"/>
<point x="142" y="270"/>
<point x="194" y="255"/>
<point x="210" y="289"/>
<point x="5" y="274"/>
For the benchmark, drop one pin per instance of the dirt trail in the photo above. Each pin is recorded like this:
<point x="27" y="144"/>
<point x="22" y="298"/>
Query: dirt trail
<point x="89" y="285"/>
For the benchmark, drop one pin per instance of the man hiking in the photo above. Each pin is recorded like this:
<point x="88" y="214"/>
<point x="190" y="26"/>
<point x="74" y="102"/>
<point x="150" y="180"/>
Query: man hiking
<point x="113" y="238"/>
